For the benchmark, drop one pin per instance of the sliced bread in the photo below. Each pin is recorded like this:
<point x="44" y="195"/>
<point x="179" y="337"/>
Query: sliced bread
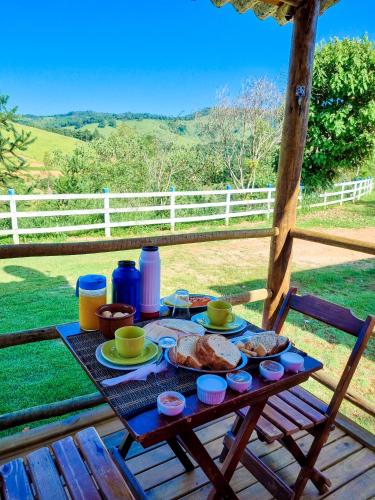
<point x="216" y="352"/>
<point x="185" y="351"/>
<point x="272" y="342"/>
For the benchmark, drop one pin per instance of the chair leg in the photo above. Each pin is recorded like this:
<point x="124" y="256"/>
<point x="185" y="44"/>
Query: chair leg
<point x="307" y="469"/>
<point x="180" y="454"/>
<point x="235" y="427"/>
<point x="321" y="482"/>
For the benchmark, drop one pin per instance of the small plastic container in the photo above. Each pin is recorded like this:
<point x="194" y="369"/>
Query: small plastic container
<point x="211" y="389"/>
<point x="271" y="370"/>
<point x="292" y="362"/>
<point x="239" y="381"/>
<point x="91" y="291"/>
<point x="108" y="325"/>
<point x="171" y="403"/>
<point x="167" y="342"/>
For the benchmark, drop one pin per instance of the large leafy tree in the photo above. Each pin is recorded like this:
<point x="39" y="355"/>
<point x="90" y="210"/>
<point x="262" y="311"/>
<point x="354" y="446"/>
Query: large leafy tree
<point x="341" y="132"/>
<point x="12" y="144"/>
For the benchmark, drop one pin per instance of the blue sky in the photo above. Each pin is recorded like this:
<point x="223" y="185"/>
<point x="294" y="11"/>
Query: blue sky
<point x="159" y="56"/>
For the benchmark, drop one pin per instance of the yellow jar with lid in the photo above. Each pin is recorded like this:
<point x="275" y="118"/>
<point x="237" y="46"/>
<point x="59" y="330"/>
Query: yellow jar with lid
<point x="91" y="290"/>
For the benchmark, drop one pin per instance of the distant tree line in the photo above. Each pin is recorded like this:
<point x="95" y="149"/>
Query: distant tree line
<point x="79" y="119"/>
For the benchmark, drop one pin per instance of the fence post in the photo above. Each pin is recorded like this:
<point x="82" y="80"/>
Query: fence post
<point x="227" y="204"/>
<point x="325" y="199"/>
<point x="342" y="195"/>
<point x="269" y="198"/>
<point x="173" y="208"/>
<point x="107" y="215"/>
<point x="13" y="213"/>
<point x="354" y="189"/>
<point x="301" y="186"/>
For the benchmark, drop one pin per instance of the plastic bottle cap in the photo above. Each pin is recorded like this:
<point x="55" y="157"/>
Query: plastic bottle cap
<point x="126" y="263"/>
<point x="92" y="282"/>
<point x="150" y="249"/>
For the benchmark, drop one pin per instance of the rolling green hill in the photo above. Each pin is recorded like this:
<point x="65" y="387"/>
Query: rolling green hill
<point x="183" y="130"/>
<point x="44" y="142"/>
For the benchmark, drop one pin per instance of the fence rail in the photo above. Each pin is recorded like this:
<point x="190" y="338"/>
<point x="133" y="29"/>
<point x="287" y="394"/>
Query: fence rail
<point x="262" y="199"/>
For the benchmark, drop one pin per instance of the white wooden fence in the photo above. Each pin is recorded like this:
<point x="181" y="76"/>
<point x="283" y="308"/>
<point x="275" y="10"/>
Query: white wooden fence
<point x="261" y="199"/>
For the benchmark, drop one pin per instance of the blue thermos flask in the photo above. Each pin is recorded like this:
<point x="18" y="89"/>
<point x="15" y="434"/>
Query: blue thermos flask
<point x="126" y="286"/>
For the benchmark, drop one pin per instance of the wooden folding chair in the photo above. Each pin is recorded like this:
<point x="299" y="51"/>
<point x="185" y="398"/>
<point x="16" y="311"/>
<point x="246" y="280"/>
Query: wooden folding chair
<point x="297" y="409"/>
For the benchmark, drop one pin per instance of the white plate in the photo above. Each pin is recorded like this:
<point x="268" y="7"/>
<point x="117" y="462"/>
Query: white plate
<point x="245" y="338"/>
<point x="229" y="332"/>
<point x="100" y="358"/>
<point x="242" y="363"/>
<point x="165" y="322"/>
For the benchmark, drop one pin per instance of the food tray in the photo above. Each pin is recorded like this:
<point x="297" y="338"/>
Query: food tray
<point x="192" y="308"/>
<point x="242" y="363"/>
<point x="246" y="338"/>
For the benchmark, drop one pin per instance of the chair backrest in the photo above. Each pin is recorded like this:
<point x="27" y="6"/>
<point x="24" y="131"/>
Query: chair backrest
<point x="333" y="315"/>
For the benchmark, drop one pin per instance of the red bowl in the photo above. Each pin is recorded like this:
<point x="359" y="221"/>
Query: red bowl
<point x="108" y="326"/>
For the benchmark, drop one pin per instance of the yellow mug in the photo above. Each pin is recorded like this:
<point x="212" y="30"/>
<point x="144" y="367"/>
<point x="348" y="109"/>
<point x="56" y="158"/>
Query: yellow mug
<point x="219" y="312"/>
<point x="130" y="341"/>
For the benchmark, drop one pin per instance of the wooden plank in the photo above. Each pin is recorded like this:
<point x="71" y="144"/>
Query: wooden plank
<point x="304" y="408"/>
<point x="331" y="383"/>
<point x="356" y="431"/>
<point x="270" y="431"/>
<point x="174" y="486"/>
<point x="45" y="477"/>
<point x="280" y="460"/>
<point x="87" y="247"/>
<point x="107" y="476"/>
<point x="248" y="297"/>
<point x="309" y="398"/>
<point x="333" y="240"/>
<point x="284" y="424"/>
<point x="14" y="481"/>
<point x="289" y="411"/>
<point x="364" y="483"/>
<point x="329" y="313"/>
<point x="71" y="466"/>
<point x="163" y="453"/>
<point x="24" y="442"/>
<point x="35" y="335"/>
<point x="42" y="412"/>
<point x="291" y="154"/>
<point x="338" y="454"/>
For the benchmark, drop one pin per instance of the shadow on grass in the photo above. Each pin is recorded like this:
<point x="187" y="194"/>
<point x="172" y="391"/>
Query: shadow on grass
<point x="350" y="285"/>
<point x="33" y="299"/>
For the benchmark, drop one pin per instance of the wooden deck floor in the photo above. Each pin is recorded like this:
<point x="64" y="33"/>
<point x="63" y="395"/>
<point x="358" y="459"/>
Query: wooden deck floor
<point x="347" y="461"/>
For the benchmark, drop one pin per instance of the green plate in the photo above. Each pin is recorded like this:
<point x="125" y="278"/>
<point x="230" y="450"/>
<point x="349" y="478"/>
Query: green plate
<point x="202" y="319"/>
<point x="110" y="353"/>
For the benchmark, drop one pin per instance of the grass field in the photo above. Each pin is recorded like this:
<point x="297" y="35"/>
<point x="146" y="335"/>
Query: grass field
<point x="47" y="141"/>
<point x="40" y="291"/>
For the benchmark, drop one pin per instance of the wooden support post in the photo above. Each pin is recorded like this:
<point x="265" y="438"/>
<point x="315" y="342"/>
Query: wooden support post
<point x="291" y="153"/>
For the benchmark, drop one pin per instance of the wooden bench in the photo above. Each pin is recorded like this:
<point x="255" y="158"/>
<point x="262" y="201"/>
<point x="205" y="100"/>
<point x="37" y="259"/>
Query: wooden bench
<point x="80" y="468"/>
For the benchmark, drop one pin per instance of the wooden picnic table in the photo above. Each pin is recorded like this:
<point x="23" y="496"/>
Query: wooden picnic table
<point x="147" y="427"/>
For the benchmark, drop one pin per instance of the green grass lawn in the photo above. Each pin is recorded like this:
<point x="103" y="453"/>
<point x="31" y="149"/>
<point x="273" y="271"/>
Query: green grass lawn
<point x="40" y="291"/>
<point x="47" y="141"/>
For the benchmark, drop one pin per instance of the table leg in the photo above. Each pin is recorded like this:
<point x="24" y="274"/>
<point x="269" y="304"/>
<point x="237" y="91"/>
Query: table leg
<point x="180" y="454"/>
<point x="198" y="451"/>
<point x="235" y="452"/>
<point x="125" y="445"/>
